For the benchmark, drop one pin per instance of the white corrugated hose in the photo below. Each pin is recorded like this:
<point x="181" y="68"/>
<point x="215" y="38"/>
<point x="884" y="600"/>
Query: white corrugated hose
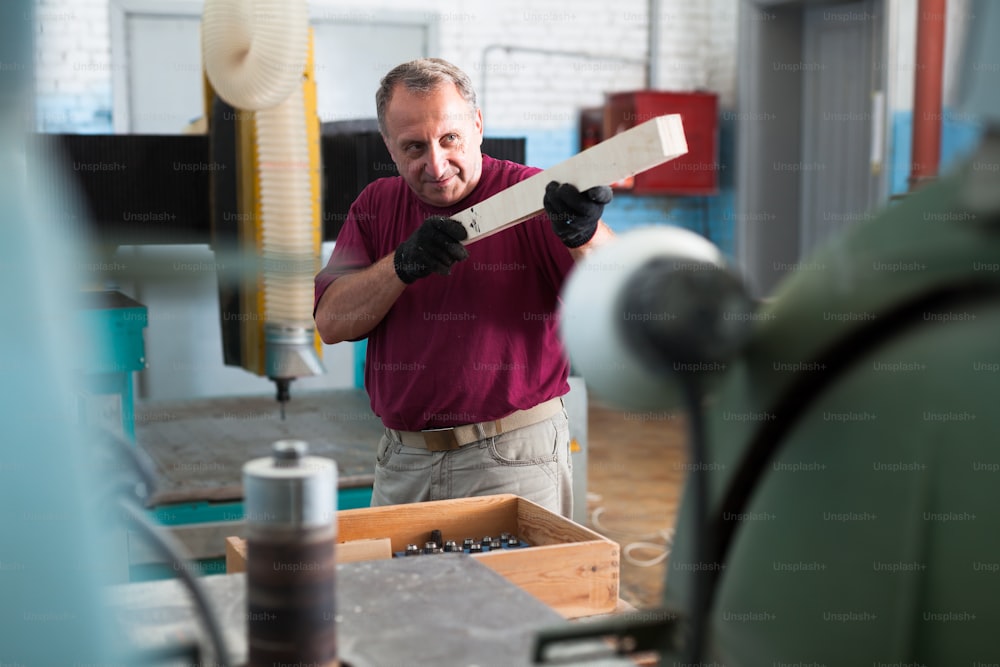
<point x="255" y="53"/>
<point x="254" y="50"/>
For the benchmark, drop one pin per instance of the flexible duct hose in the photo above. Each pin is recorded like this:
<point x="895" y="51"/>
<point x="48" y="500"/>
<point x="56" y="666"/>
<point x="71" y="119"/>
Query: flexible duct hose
<point x="288" y="239"/>
<point x="254" y="50"/>
<point x="255" y="53"/>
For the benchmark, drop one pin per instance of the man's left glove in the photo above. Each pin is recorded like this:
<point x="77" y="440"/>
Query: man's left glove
<point x="575" y="214"/>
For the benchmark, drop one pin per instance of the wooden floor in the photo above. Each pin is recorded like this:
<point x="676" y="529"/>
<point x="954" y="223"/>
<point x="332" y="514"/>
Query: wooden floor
<point x="636" y="468"/>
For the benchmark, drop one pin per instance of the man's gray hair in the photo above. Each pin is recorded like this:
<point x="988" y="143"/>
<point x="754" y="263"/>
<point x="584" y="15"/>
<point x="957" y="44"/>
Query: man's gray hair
<point x="422" y="76"/>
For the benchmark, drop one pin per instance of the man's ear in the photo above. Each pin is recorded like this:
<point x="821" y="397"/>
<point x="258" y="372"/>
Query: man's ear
<point x="479" y="125"/>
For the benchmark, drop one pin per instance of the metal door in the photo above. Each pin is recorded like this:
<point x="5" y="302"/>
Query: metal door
<point x="841" y="118"/>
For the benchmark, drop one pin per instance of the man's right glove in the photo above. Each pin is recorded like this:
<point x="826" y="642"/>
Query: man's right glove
<point x="433" y="248"/>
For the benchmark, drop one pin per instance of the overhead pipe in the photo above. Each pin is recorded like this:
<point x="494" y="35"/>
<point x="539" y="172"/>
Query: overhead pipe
<point x="654" y="38"/>
<point x="927" y="92"/>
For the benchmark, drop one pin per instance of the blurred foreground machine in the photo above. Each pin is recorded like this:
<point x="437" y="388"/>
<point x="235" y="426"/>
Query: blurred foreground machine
<point x="843" y="500"/>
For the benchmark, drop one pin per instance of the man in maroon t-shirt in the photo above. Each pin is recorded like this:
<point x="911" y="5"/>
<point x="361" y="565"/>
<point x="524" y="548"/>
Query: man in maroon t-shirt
<point x="464" y="367"/>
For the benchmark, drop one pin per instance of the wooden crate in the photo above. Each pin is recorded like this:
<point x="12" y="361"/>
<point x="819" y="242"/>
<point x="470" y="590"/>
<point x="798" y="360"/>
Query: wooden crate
<point x="346" y="552"/>
<point x="569" y="567"/>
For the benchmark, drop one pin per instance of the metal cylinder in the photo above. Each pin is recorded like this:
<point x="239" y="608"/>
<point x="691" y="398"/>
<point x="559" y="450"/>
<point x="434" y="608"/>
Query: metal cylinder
<point x="290" y="506"/>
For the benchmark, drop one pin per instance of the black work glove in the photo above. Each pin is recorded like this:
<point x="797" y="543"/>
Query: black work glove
<point x="574" y="214"/>
<point x="433" y="248"/>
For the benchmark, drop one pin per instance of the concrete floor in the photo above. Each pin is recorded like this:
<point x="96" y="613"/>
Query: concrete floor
<point x="635" y="475"/>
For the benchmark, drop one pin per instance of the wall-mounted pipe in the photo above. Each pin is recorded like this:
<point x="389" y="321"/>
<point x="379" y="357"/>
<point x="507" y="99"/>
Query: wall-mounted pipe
<point x="927" y="92"/>
<point x="653" y="67"/>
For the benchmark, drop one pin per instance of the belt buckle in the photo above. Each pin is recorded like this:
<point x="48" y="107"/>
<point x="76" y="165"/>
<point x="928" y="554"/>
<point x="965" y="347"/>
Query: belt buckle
<point x="440" y="439"/>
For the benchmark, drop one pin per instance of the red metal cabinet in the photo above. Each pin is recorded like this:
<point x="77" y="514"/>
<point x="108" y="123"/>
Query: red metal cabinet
<point x="694" y="174"/>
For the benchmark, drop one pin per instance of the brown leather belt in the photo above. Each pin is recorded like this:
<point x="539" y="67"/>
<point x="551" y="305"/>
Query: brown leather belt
<point x="446" y="439"/>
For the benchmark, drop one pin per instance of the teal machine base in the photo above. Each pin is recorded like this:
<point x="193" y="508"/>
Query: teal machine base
<point x="113" y="323"/>
<point x="188" y="514"/>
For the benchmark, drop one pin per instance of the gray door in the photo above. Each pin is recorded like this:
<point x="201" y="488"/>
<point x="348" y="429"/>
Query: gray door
<point x="808" y="128"/>
<point x="841" y="49"/>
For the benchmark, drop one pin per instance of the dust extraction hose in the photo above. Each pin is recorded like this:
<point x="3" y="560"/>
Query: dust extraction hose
<point x="255" y="53"/>
<point x="254" y="50"/>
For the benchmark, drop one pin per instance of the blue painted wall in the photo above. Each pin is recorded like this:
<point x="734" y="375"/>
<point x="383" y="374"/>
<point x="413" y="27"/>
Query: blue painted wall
<point x="959" y="135"/>
<point x="74" y="114"/>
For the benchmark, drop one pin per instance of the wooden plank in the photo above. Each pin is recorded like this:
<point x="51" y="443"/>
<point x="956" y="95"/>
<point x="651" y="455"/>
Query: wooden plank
<point x="376" y="548"/>
<point x="635" y="150"/>
<point x="345" y="552"/>
<point x="236" y="555"/>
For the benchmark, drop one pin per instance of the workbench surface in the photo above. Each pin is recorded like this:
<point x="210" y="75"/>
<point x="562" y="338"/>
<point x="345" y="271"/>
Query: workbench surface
<point x="445" y="609"/>
<point x="199" y="446"/>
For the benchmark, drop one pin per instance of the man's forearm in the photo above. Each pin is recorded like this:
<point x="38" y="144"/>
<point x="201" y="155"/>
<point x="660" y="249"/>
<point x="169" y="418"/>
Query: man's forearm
<point x="353" y="304"/>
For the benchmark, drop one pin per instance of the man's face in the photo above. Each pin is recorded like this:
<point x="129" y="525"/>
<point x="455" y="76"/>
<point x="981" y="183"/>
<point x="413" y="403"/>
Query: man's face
<point x="435" y="141"/>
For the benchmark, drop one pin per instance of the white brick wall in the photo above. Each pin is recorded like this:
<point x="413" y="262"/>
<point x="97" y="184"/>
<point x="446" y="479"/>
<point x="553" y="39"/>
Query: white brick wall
<point x="546" y="91"/>
<point x="523" y="90"/>
<point x="73" y="65"/>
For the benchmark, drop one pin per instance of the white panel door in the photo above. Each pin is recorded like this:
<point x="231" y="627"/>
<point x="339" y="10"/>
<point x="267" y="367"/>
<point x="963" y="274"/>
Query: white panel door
<point x="351" y="59"/>
<point x="156" y="56"/>
<point x="164" y="73"/>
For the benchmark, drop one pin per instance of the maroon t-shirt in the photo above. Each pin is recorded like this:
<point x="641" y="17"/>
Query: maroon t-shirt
<point x="472" y="346"/>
